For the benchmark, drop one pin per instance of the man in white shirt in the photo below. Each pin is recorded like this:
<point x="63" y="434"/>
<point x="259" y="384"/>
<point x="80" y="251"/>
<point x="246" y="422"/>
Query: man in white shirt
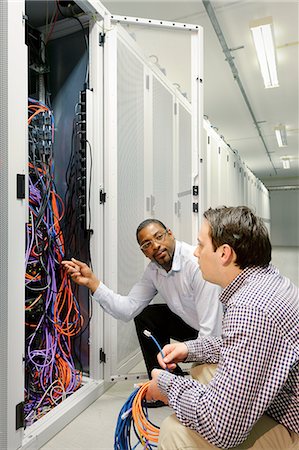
<point x="192" y="307"/>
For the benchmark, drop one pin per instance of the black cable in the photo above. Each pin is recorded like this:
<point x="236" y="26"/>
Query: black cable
<point x="85" y="38"/>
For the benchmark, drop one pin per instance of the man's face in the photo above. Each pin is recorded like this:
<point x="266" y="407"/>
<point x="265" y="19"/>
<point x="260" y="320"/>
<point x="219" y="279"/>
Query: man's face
<point x="157" y="244"/>
<point x="207" y="258"/>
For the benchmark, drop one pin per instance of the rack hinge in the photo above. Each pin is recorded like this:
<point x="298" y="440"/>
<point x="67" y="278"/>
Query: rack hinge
<point x="102" y="356"/>
<point x="102" y="39"/>
<point x="102" y="196"/>
<point x="20" y="415"/>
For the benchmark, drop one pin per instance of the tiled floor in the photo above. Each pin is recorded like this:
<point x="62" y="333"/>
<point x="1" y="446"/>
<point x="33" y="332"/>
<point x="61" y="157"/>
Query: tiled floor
<point x="94" y="428"/>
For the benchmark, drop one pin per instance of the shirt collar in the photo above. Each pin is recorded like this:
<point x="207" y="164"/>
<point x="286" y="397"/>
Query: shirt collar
<point x="176" y="262"/>
<point x="240" y="279"/>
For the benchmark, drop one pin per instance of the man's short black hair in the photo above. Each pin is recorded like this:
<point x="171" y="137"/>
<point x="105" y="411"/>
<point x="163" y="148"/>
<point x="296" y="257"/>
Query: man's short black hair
<point x="147" y="222"/>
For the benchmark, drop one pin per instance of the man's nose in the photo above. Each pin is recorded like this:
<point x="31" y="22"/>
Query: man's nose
<point x="156" y="244"/>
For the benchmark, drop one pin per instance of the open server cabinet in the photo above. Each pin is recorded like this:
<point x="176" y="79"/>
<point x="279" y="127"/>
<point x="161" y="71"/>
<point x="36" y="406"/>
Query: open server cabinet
<point x="144" y="141"/>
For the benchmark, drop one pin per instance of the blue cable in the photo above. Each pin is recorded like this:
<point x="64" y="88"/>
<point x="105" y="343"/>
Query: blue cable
<point x="122" y="434"/>
<point x="122" y="439"/>
<point x="149" y="334"/>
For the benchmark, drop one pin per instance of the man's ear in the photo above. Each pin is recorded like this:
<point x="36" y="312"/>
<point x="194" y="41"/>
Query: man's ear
<point x="227" y="254"/>
<point x="169" y="232"/>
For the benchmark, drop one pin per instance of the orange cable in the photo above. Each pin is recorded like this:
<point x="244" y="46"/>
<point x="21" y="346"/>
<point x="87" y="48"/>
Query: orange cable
<point x="147" y="431"/>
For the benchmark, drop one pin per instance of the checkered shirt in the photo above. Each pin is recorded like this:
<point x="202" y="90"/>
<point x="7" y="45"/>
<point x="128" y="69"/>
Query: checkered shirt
<point x="258" y="362"/>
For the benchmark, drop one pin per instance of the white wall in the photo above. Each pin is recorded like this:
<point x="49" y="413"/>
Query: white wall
<point x="284" y="207"/>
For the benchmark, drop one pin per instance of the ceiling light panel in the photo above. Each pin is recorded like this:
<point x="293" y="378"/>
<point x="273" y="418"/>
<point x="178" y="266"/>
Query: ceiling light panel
<point x="262" y="33"/>
<point x="281" y="135"/>
<point x="286" y="163"/>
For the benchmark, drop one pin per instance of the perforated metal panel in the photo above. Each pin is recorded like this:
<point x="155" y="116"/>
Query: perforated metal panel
<point x="3" y="223"/>
<point x="130" y="182"/>
<point x="163" y="112"/>
<point x="234" y="177"/>
<point x="185" y="176"/>
<point x="230" y="182"/>
<point x="184" y="149"/>
<point x="223" y="177"/>
<point x="241" y="183"/>
<point x="213" y="158"/>
<point x="141" y="166"/>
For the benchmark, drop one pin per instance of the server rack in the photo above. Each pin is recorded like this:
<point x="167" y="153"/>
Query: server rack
<point x="111" y="155"/>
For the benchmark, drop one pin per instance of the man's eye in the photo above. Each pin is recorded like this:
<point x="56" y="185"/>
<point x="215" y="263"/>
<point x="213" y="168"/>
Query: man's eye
<point x="159" y="237"/>
<point x="146" y="245"/>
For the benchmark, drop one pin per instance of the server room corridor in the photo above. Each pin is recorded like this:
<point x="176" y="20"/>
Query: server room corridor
<point x="114" y="112"/>
<point x="94" y="428"/>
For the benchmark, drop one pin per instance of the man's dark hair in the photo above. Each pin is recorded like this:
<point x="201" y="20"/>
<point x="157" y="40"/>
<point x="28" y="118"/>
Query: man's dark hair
<point x="242" y="230"/>
<point x="147" y="222"/>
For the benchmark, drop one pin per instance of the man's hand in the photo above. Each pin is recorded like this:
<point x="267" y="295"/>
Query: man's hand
<point x="153" y="392"/>
<point x="81" y="274"/>
<point x="173" y="353"/>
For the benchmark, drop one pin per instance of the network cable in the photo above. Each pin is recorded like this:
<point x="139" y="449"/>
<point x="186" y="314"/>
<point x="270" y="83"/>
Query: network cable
<point x="149" y="335"/>
<point x="52" y="312"/>
<point x="134" y="415"/>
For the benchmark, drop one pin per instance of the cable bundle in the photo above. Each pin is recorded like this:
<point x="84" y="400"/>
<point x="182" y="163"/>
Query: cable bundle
<point x="134" y="414"/>
<point x="52" y="312"/>
<point x="77" y="220"/>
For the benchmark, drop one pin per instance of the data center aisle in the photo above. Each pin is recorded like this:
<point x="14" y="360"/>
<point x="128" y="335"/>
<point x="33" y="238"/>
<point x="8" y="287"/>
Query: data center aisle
<point x="94" y="428"/>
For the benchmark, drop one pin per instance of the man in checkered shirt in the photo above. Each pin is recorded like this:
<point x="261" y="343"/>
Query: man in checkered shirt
<point x="252" y="399"/>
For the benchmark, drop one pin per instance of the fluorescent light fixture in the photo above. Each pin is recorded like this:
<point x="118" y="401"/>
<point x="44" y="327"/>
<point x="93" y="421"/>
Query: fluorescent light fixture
<point x="286" y="163"/>
<point x="264" y="45"/>
<point x="281" y="135"/>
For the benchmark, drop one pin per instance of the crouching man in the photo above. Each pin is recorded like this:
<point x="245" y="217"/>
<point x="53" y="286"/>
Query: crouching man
<point x="251" y="396"/>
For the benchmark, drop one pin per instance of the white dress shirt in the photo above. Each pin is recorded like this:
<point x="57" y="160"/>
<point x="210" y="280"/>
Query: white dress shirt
<point x="185" y="292"/>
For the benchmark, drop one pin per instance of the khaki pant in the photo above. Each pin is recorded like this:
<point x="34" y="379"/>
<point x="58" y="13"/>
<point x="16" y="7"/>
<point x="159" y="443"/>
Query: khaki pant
<point x="265" y="435"/>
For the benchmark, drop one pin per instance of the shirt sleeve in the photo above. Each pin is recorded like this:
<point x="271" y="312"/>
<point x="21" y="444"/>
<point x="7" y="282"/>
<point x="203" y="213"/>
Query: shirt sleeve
<point x="204" y="350"/>
<point x="208" y="306"/>
<point x="126" y="307"/>
<point x="253" y="367"/>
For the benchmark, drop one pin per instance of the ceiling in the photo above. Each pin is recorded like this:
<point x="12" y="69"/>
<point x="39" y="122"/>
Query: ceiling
<point x="224" y="103"/>
<point x="251" y="134"/>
